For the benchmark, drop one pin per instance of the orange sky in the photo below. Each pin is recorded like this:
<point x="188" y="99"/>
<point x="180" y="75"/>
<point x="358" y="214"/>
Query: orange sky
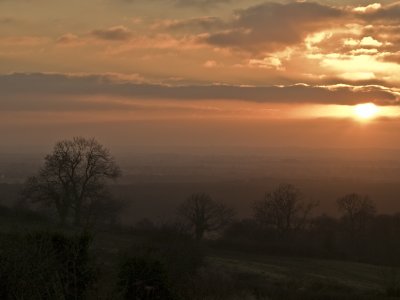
<point x="231" y="63"/>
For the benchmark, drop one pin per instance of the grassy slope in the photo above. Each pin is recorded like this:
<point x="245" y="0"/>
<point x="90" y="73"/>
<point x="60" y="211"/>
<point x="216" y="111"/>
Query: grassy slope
<point x="354" y="275"/>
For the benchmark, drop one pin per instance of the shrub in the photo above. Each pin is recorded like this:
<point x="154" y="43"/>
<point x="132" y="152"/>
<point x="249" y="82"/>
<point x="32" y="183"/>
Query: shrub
<point x="45" y="266"/>
<point x="177" y="250"/>
<point x="4" y="211"/>
<point x="144" y="278"/>
<point x="169" y="257"/>
<point x="391" y="282"/>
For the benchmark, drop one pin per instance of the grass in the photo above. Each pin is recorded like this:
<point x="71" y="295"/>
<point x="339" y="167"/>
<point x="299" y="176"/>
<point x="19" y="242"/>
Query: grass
<point x="359" y="276"/>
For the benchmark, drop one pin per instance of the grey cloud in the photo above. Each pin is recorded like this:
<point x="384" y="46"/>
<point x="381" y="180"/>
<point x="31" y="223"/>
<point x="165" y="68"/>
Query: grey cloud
<point x="67" y="38"/>
<point x="203" y="4"/>
<point x="272" y="25"/>
<point x="62" y="92"/>
<point x="392" y="57"/>
<point x="116" y="33"/>
<point x="389" y="13"/>
<point x="200" y="3"/>
<point x="201" y="23"/>
<point x="8" y="20"/>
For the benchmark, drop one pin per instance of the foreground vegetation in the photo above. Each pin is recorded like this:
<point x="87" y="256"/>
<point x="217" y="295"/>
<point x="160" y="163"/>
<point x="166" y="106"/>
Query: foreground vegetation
<point x="162" y="262"/>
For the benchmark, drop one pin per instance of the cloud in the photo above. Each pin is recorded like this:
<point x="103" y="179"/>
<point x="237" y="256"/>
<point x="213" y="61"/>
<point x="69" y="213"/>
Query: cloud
<point x="386" y="14"/>
<point x="206" y="23"/>
<point x="40" y="91"/>
<point x="371" y="8"/>
<point x="24" y="41"/>
<point x="270" y="26"/>
<point x="69" y="40"/>
<point x="392" y="57"/>
<point x="203" y="4"/>
<point x="200" y="3"/>
<point x="8" y="20"/>
<point x="116" y="33"/>
<point x="370" y="42"/>
<point x="210" y="64"/>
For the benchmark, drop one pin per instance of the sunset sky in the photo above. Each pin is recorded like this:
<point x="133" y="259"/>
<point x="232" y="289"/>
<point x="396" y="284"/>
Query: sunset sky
<point x="200" y="72"/>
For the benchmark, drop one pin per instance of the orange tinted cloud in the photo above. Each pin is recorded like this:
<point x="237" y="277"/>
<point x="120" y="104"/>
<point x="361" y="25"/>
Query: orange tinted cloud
<point x="266" y="44"/>
<point x="271" y="26"/>
<point x="116" y="33"/>
<point x="67" y="92"/>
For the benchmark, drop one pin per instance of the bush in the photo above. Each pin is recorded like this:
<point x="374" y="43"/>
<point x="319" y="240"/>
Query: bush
<point x="144" y="278"/>
<point x="391" y="282"/>
<point x="45" y="266"/>
<point x="215" y="283"/>
<point x="177" y="250"/>
<point x="4" y="211"/>
<point x="169" y="256"/>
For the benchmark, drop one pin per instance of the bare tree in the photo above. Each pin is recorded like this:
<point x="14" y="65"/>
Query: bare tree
<point x="283" y="210"/>
<point x="357" y="211"/>
<point x="73" y="178"/>
<point x="203" y="214"/>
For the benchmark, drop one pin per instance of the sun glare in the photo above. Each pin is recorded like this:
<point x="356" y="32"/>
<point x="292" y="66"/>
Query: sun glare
<point x="366" y="111"/>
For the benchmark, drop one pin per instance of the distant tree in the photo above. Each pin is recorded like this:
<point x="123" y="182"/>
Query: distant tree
<point x="104" y="211"/>
<point x="243" y="230"/>
<point x="323" y="232"/>
<point x="283" y="210"/>
<point x="203" y="214"/>
<point x="73" y="178"/>
<point x="357" y="211"/>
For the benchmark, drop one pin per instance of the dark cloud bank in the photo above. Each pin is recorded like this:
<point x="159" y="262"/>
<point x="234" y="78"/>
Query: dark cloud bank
<point x="39" y="90"/>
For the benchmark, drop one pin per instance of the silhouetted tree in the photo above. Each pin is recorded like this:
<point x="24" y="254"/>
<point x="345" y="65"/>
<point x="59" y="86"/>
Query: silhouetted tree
<point x="73" y="178"/>
<point x="357" y="211"/>
<point x="283" y="210"/>
<point x="323" y="233"/>
<point x="203" y="214"/>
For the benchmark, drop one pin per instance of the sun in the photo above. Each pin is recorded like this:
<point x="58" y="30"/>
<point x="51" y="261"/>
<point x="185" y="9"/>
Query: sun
<point x="366" y="111"/>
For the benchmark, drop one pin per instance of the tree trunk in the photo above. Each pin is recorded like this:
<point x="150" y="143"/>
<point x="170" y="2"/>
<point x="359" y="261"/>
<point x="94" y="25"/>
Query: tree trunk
<point x="77" y="217"/>
<point x="62" y="214"/>
<point x="63" y="217"/>
<point x="199" y="233"/>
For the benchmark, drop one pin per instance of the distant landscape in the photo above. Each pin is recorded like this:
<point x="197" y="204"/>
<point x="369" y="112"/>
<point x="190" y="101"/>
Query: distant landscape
<point x="154" y="183"/>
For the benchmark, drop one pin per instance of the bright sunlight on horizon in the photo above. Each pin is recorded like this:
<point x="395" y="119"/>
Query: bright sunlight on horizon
<point x="366" y="111"/>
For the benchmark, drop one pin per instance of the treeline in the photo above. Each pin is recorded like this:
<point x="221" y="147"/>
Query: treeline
<point x="284" y="223"/>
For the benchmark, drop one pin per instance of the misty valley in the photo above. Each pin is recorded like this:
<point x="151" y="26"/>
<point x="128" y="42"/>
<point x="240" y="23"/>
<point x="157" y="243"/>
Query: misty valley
<point x="154" y="182"/>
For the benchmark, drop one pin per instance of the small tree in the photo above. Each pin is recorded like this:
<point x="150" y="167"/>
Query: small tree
<point x="283" y="210"/>
<point x="73" y="178"/>
<point x="203" y="214"/>
<point x="357" y="211"/>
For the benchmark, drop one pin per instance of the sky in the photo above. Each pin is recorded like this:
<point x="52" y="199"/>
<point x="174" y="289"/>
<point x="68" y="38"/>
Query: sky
<point x="153" y="73"/>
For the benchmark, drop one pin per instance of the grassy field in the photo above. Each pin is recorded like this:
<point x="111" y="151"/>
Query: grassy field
<point x="353" y="275"/>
